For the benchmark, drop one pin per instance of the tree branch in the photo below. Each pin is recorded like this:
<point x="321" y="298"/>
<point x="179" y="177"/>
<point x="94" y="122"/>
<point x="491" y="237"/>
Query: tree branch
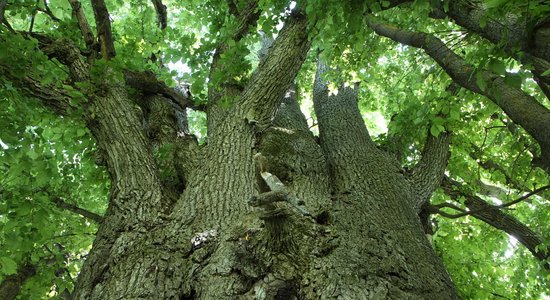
<point x="488" y="164"/>
<point x="514" y="102"/>
<point x="148" y="83"/>
<point x="232" y="8"/>
<point x="31" y="26"/>
<point x="104" y="32"/>
<point x="73" y="208"/>
<point x="493" y="215"/>
<point x="49" y="12"/>
<point x="53" y="98"/>
<point x="427" y="174"/>
<point x="512" y="32"/>
<point x="162" y="17"/>
<point x="83" y="24"/>
<point x="3" y="4"/>
<point x="276" y="72"/>
<point x="246" y="18"/>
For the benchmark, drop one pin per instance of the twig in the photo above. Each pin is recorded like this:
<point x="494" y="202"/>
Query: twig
<point x="49" y="12"/>
<point x="33" y="16"/>
<point x="71" y="207"/>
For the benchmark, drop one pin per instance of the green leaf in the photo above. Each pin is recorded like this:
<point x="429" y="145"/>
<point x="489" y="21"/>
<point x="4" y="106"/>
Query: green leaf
<point x="435" y="130"/>
<point x="80" y="132"/>
<point x="545" y="73"/>
<point x="497" y="66"/>
<point x="454" y="114"/>
<point x="514" y="80"/>
<point x="31" y="153"/>
<point x="9" y="266"/>
<point x="480" y="82"/>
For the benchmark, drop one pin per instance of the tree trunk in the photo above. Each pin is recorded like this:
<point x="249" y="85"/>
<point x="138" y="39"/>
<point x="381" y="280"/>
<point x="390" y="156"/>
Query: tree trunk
<point x="262" y="210"/>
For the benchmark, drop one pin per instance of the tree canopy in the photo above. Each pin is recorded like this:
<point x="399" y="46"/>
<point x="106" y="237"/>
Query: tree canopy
<point x="477" y="72"/>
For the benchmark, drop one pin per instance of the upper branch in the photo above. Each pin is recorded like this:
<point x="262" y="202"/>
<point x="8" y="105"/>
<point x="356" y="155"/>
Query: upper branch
<point x="162" y="17"/>
<point x="246" y="18"/>
<point x="55" y="99"/>
<point x="511" y="31"/>
<point x="522" y="108"/>
<point x="426" y="176"/>
<point x="494" y="216"/>
<point x="83" y="23"/>
<point x="104" y="32"/>
<point x="150" y="84"/>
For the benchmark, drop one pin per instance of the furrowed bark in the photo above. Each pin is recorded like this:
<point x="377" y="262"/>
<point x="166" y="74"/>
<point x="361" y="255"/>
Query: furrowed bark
<point x="214" y="203"/>
<point x="390" y="258"/>
<point x="495" y="217"/>
<point x="295" y="157"/>
<point x="232" y="132"/>
<point x="281" y="65"/>
<point x="522" y="108"/>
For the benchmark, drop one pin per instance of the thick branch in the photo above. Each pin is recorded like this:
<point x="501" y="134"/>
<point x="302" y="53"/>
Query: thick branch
<point x="522" y="108"/>
<point x="104" y="32"/>
<point x="511" y="31"/>
<point x="276" y="72"/>
<point x="65" y="51"/>
<point x="71" y="207"/>
<point x="493" y="216"/>
<point x="162" y="17"/>
<point x="426" y="176"/>
<point x="148" y="83"/>
<point x="83" y="24"/>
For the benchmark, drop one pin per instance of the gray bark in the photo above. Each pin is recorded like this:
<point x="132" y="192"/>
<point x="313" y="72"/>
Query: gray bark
<point x="389" y="254"/>
<point x="426" y="176"/>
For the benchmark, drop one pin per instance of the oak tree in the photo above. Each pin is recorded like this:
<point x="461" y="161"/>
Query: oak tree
<point x="245" y="149"/>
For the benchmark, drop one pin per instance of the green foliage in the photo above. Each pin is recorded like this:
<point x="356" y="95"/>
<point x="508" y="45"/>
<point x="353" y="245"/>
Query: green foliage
<point x="44" y="158"/>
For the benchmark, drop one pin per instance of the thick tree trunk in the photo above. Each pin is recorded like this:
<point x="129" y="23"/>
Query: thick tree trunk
<point x="261" y="211"/>
<point x="382" y="251"/>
